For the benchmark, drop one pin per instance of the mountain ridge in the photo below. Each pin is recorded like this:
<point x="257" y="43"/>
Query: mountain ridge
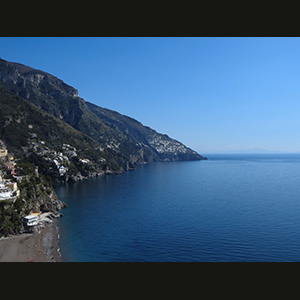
<point x="50" y="134"/>
<point x="124" y="135"/>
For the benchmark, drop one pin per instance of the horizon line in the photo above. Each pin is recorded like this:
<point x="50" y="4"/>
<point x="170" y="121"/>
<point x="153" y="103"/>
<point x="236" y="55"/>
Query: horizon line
<point x="220" y="152"/>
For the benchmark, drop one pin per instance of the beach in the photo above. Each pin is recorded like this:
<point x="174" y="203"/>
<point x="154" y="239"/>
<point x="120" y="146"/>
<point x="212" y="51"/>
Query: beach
<point x="37" y="247"/>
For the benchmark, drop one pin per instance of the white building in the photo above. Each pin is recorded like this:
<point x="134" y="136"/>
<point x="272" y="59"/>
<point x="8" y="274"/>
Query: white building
<point x="5" y="192"/>
<point x="31" y="220"/>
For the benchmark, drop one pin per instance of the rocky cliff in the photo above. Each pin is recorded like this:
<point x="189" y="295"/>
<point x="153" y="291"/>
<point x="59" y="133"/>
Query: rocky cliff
<point x="52" y="131"/>
<point x="121" y="136"/>
<point x="60" y="151"/>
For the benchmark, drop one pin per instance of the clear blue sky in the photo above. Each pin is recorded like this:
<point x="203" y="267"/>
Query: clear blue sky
<point x="212" y="94"/>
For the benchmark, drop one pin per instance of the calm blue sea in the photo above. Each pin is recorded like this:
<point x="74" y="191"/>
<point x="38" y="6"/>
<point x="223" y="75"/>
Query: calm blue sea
<point x="228" y="208"/>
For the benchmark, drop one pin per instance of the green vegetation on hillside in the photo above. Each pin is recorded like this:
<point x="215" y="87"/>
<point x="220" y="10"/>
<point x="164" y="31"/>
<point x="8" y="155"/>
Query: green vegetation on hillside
<point x="56" y="136"/>
<point x="129" y="142"/>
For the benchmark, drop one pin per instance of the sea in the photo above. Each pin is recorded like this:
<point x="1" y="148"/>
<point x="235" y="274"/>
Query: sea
<point x="229" y="208"/>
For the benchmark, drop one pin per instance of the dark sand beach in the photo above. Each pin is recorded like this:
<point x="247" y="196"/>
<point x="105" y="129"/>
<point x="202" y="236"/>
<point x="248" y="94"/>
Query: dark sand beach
<point x="38" y="247"/>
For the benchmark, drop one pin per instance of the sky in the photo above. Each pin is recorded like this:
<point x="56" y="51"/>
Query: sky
<point x="214" y="94"/>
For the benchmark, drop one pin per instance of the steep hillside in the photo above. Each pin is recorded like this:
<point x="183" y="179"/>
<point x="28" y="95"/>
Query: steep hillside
<point x="60" y="151"/>
<point x="117" y="134"/>
<point x="159" y="146"/>
<point x="55" y="136"/>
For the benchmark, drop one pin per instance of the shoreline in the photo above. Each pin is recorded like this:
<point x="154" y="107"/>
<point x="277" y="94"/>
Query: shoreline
<point x="36" y="247"/>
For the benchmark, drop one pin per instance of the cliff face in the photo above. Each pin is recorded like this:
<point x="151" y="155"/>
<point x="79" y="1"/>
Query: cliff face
<point x="60" y="151"/>
<point x="149" y="144"/>
<point x="120" y="135"/>
<point x="44" y="124"/>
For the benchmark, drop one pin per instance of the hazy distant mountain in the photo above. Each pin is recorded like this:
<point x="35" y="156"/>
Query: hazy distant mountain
<point x="250" y="151"/>
<point x="122" y="141"/>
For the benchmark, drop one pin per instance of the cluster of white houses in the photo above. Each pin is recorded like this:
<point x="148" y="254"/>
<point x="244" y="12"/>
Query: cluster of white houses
<point x="8" y="189"/>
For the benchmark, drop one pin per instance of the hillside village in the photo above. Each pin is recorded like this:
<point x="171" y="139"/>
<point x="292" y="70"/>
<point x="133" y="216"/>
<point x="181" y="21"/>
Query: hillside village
<point x="165" y="145"/>
<point x="27" y="197"/>
<point x="9" y="190"/>
<point x="64" y="160"/>
<point x="21" y="195"/>
<point x="49" y="134"/>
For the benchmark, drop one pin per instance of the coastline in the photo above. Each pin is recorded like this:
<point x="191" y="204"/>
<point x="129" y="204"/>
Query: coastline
<point x="37" y="247"/>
